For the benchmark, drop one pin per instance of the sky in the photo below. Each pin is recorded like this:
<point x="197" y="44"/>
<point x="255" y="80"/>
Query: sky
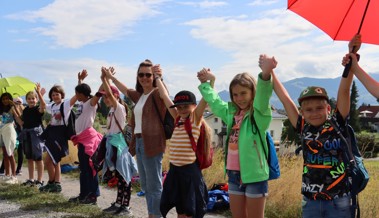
<point x="51" y="41"/>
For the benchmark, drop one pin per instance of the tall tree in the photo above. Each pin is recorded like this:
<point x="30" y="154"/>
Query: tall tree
<point x="354" y="113"/>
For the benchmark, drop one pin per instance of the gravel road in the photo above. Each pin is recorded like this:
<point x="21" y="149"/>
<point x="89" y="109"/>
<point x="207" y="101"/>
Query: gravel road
<point x="70" y="188"/>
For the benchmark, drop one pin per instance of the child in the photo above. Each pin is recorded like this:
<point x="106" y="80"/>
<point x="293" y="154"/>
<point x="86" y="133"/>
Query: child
<point x="247" y="170"/>
<point x="87" y="140"/>
<point x="117" y="157"/>
<point x="184" y="186"/>
<point x="29" y="137"/>
<point x="55" y="137"/>
<point x="325" y="186"/>
<point x="8" y="137"/>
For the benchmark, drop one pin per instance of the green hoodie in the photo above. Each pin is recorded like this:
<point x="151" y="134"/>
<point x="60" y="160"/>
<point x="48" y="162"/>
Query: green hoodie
<point x="253" y="164"/>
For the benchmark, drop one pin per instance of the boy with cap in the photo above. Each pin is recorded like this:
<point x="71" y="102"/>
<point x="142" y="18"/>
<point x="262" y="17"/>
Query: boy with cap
<point x="325" y="186"/>
<point x="184" y="186"/>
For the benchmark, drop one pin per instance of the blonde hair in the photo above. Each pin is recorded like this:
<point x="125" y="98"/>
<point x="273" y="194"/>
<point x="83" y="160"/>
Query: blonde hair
<point x="31" y="93"/>
<point x="207" y="137"/>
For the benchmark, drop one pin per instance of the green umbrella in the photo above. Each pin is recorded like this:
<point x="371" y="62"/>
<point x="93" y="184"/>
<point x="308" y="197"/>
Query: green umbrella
<point x="16" y="85"/>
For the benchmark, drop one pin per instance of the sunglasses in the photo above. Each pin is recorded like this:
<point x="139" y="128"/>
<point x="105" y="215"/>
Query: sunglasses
<point x="147" y="75"/>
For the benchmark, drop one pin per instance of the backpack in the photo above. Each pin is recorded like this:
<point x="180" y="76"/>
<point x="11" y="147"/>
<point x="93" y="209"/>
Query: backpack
<point x="167" y="121"/>
<point x="356" y="171"/>
<point x="203" y="148"/>
<point x="70" y="125"/>
<point x="271" y="156"/>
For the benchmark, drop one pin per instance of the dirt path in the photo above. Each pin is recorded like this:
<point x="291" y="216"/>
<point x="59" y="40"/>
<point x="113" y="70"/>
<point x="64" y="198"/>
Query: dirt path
<point x="70" y="188"/>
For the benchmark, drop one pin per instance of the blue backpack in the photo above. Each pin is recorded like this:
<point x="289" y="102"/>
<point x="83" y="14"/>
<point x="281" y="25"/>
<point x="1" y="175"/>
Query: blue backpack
<point x="356" y="171"/>
<point x="272" y="158"/>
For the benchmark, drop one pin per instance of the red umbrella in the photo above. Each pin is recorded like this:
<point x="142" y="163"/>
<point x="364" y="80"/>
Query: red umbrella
<point x="341" y="19"/>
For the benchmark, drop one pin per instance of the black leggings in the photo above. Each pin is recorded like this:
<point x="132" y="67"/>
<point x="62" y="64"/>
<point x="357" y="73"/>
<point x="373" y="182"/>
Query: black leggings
<point x="123" y="191"/>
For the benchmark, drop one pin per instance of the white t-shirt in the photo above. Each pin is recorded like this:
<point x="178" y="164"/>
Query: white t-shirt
<point x="120" y="115"/>
<point x="56" y="117"/>
<point x="85" y="114"/>
<point x="138" y="108"/>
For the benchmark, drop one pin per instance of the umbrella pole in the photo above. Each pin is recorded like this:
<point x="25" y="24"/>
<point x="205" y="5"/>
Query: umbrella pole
<point x="348" y="66"/>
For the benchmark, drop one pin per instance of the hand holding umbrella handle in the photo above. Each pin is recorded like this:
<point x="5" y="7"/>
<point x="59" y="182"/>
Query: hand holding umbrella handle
<point x="348" y="66"/>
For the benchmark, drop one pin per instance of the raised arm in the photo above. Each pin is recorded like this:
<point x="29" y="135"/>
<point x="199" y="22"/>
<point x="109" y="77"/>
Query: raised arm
<point x="81" y="76"/>
<point x="267" y="65"/>
<point x="42" y="103"/>
<point x="157" y="71"/>
<point x="107" y="87"/>
<point x="204" y="75"/>
<point x="121" y="86"/>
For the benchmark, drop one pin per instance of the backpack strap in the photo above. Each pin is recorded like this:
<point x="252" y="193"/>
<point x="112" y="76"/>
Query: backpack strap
<point x="188" y="128"/>
<point x="117" y="123"/>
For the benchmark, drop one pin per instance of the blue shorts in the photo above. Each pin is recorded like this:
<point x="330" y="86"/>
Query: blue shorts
<point x="251" y="190"/>
<point x="340" y="207"/>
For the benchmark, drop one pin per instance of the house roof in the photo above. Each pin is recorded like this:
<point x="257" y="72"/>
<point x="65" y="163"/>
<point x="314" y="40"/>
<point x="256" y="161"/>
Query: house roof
<point x="369" y="111"/>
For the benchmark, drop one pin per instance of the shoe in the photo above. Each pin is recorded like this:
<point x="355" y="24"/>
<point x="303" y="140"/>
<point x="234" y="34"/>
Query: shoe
<point x="38" y="184"/>
<point x="89" y="200"/>
<point x="47" y="187"/>
<point x="28" y="182"/>
<point x="123" y="211"/>
<point x="2" y="173"/>
<point x="76" y="199"/>
<point x="13" y="180"/>
<point x="112" y="209"/>
<point x="141" y="194"/>
<point x="18" y="173"/>
<point x="4" y="178"/>
<point x="56" y="187"/>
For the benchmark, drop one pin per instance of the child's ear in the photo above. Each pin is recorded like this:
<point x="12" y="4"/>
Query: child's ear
<point x="329" y="108"/>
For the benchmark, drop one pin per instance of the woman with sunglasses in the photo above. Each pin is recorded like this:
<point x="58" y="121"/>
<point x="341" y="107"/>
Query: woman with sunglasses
<point x="149" y="142"/>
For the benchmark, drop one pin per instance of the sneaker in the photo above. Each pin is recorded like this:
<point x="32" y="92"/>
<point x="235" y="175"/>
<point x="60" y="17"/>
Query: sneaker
<point x="18" y="173"/>
<point x="4" y="178"/>
<point x="28" y="183"/>
<point x="2" y="173"/>
<point x="13" y="180"/>
<point x="47" y="187"/>
<point x="112" y="209"/>
<point x="89" y="200"/>
<point x="123" y="211"/>
<point x="76" y="199"/>
<point x="38" y="184"/>
<point x="56" y="187"/>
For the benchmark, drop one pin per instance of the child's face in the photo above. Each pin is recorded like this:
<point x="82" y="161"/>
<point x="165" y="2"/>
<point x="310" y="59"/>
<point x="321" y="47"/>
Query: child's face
<point x="242" y="97"/>
<point x="57" y="97"/>
<point x="315" y="111"/>
<point x="31" y="100"/>
<point x="5" y="100"/>
<point x="185" y="109"/>
<point x="80" y="97"/>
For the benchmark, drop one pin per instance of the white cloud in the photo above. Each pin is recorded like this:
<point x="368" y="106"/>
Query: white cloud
<point x="205" y="4"/>
<point x="262" y="2"/>
<point x="76" y="23"/>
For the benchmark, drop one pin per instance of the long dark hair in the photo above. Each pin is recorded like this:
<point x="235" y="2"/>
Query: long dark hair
<point x="5" y="108"/>
<point x="145" y="63"/>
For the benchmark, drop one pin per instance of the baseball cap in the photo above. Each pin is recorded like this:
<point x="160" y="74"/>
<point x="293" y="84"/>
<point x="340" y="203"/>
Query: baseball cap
<point x="184" y="97"/>
<point x="313" y="92"/>
<point x="18" y="100"/>
<point x="113" y="89"/>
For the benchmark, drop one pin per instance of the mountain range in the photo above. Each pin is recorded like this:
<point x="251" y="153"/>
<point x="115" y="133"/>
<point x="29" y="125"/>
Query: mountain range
<point x="295" y="86"/>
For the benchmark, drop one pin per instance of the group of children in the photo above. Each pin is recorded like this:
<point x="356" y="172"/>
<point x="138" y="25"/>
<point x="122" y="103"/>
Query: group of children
<point x="325" y="194"/>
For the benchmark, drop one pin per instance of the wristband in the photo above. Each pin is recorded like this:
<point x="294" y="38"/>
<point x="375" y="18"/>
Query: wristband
<point x="99" y="94"/>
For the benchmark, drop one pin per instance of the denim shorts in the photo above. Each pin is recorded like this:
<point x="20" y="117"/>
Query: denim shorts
<point x="251" y="190"/>
<point x="336" y="208"/>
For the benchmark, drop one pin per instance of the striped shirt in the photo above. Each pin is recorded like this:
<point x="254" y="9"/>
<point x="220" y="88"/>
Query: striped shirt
<point x="181" y="152"/>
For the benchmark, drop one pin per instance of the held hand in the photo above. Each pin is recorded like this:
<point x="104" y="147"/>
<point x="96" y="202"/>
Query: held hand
<point x="157" y="70"/>
<point x="267" y="64"/>
<point x="82" y="75"/>
<point x="104" y="73"/>
<point x="355" y="43"/>
<point x="112" y="71"/>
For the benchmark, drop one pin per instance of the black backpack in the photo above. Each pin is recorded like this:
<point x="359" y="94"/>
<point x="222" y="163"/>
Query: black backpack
<point x="70" y="125"/>
<point x="168" y="121"/>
